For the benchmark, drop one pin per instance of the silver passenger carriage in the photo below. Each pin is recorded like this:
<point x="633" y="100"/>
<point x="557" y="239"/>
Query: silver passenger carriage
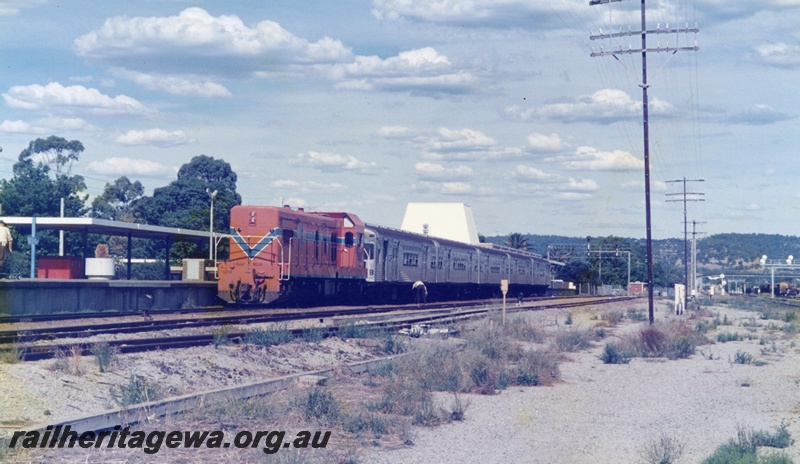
<point x="396" y="259"/>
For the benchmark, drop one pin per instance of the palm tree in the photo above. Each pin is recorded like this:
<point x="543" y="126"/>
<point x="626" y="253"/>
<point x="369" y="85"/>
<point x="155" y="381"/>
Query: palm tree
<point x="517" y="241"/>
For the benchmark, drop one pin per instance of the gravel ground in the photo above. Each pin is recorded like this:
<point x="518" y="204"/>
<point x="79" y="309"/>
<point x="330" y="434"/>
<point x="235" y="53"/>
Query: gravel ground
<point x="597" y="413"/>
<point x="603" y="413"/>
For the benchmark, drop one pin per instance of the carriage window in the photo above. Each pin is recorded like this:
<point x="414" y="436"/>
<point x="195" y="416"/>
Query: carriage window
<point x="369" y="251"/>
<point x="410" y="259"/>
<point x="348" y="239"/>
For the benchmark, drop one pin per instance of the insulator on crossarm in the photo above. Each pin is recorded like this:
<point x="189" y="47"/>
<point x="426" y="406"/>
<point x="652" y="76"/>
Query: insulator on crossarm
<point x="658" y="26"/>
<point x="601" y="30"/>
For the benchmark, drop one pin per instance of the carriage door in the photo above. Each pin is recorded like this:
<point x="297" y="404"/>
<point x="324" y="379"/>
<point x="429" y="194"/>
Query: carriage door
<point x="385" y="261"/>
<point x="424" y="263"/>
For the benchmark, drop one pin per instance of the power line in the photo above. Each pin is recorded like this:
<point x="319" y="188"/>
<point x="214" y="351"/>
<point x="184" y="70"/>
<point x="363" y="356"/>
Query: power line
<point x="687" y="197"/>
<point x="643" y="50"/>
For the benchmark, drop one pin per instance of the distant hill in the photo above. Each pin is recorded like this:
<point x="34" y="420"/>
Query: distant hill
<point x="715" y="253"/>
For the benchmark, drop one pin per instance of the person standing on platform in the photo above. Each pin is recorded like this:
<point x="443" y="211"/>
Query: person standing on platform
<point x="5" y="242"/>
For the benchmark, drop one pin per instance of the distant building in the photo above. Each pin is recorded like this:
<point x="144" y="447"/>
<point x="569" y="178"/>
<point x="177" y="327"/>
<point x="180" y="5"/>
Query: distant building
<point x="452" y="221"/>
<point x="638" y="288"/>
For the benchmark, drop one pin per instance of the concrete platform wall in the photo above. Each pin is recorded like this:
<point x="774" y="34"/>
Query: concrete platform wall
<point x="45" y="296"/>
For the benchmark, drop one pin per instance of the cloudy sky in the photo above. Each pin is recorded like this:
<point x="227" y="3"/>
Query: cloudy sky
<point x="365" y="105"/>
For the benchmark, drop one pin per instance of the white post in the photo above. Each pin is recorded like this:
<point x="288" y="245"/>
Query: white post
<point x="61" y="232"/>
<point x="211" y="225"/>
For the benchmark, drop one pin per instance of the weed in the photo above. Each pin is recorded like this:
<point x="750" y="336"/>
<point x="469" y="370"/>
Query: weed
<point x="635" y="315"/>
<point x="220" y="334"/>
<point x="521" y="329"/>
<point x="612" y="354"/>
<point x="536" y="367"/>
<point x="246" y="410"/>
<point x="320" y="404"/>
<point x="742" y="357"/>
<point x="11" y="354"/>
<point x="458" y="407"/>
<point x="314" y="334"/>
<point x="613" y="317"/>
<point x="261" y="337"/>
<point x="137" y="390"/>
<point x="354" y="330"/>
<point x="490" y="341"/>
<point x="743" y="449"/>
<point x="105" y="355"/>
<point x="664" y="450"/>
<point x="573" y="340"/>
<point x="393" y="345"/>
<point x="724" y="337"/>
<point x="780" y="439"/>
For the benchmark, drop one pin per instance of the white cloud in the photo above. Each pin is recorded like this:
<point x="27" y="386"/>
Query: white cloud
<point x="592" y="159"/>
<point x="306" y="186"/>
<point x="176" y="85"/>
<point x="465" y="144"/>
<point x="780" y="54"/>
<point x="129" y="167"/>
<point x="530" y="174"/>
<point x="50" y="124"/>
<point x="546" y="143"/>
<point x="393" y="132"/>
<point x="13" y="7"/>
<point x="54" y="97"/>
<point x="584" y="185"/>
<point x="758" y="115"/>
<point x="450" y="188"/>
<point x="492" y="13"/>
<point x="423" y="70"/>
<point x="427" y="170"/>
<point x="333" y="162"/>
<point x="157" y="137"/>
<point x="603" y="107"/>
<point x="196" y="41"/>
<point x="15" y="126"/>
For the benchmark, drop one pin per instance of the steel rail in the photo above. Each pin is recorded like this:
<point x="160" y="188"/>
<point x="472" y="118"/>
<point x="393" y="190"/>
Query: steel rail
<point x="39" y="352"/>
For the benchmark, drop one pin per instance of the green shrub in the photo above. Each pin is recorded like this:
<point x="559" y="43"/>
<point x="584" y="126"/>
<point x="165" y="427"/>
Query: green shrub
<point x="536" y="367"/>
<point x="742" y="357"/>
<point x="320" y="404"/>
<point x="314" y="334"/>
<point x="664" y="450"/>
<point x="262" y="337"/>
<point x="743" y="449"/>
<point x="612" y="354"/>
<point x="220" y="335"/>
<point x="105" y="355"/>
<point x="572" y="340"/>
<point x="11" y="354"/>
<point x="137" y="390"/>
<point x="724" y="337"/>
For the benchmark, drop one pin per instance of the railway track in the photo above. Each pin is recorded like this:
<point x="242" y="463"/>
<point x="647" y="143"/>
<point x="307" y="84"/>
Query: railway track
<point x="29" y="352"/>
<point x="196" y="319"/>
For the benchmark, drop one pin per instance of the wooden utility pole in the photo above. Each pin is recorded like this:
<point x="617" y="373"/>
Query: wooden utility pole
<point x="644" y="85"/>
<point x="687" y="197"/>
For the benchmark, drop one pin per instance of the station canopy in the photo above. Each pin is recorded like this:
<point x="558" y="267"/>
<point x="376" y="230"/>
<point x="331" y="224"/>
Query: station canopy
<point x="108" y="227"/>
<point x="87" y="225"/>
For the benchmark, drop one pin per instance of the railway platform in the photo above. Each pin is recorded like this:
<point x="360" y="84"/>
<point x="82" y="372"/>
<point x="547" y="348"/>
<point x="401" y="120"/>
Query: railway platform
<point x="24" y="297"/>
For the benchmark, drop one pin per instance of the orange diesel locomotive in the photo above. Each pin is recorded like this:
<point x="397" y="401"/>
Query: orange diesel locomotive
<point x="280" y="254"/>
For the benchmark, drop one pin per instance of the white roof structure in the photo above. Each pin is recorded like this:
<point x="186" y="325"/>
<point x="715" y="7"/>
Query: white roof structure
<point x="452" y="221"/>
